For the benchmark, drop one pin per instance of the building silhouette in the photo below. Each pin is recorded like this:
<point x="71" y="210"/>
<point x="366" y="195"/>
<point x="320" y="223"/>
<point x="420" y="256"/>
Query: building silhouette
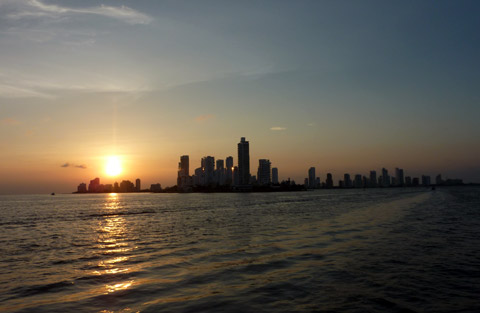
<point x="385" y="178"/>
<point x="82" y="188"/>
<point x="243" y="162"/>
<point x="138" y="185"/>
<point x="208" y="164"/>
<point x="329" y="181"/>
<point x="426" y="180"/>
<point x="373" y="179"/>
<point x="399" y="179"/>
<point x="229" y="170"/>
<point x="263" y="173"/>
<point x="311" y="178"/>
<point x="275" y="176"/>
<point x="347" y="181"/>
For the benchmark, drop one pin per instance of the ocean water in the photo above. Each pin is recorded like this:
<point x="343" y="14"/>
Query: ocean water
<point x="382" y="250"/>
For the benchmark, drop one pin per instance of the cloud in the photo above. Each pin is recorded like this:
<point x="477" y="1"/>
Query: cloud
<point x="82" y="166"/>
<point x="36" y="8"/>
<point x="203" y="118"/>
<point x="20" y="85"/>
<point x="10" y="121"/>
<point x="277" y="128"/>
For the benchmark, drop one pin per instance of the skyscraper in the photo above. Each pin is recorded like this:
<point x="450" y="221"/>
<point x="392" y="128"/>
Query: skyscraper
<point x="138" y="186"/>
<point x="183" y="178"/>
<point x="329" y="182"/>
<point x="184" y="165"/>
<point x="263" y="173"/>
<point x="399" y="180"/>
<point x="347" y="181"/>
<point x="373" y="179"/>
<point x="229" y="168"/>
<point x="220" y="173"/>
<point x="243" y="162"/>
<point x="426" y="180"/>
<point x="208" y="164"/>
<point x="385" y="178"/>
<point x="275" y="176"/>
<point x="358" y="181"/>
<point x="311" y="177"/>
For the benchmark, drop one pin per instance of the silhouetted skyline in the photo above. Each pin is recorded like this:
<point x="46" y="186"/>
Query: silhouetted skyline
<point x="213" y="176"/>
<point x="347" y="86"/>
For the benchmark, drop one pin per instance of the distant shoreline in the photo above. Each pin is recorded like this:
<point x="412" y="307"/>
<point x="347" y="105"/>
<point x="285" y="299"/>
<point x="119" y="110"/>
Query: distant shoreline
<point x="257" y="189"/>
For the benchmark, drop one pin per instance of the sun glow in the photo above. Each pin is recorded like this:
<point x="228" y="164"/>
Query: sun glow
<point x="113" y="166"/>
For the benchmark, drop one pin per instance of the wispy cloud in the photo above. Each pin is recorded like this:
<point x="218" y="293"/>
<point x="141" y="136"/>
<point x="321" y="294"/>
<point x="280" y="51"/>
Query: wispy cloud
<point x="37" y="8"/>
<point x="203" y="118"/>
<point x="82" y="166"/>
<point x="9" y="121"/>
<point x="277" y="128"/>
<point x="18" y="85"/>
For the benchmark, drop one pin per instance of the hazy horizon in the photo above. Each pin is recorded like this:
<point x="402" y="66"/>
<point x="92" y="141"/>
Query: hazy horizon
<point x="345" y="87"/>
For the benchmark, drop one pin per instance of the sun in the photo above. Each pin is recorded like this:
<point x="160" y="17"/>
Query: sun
<point x="113" y="166"/>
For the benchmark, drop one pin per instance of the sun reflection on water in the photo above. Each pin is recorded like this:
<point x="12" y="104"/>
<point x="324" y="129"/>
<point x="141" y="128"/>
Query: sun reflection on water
<point x="113" y="240"/>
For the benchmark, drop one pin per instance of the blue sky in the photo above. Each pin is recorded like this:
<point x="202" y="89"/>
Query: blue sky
<point x="345" y="86"/>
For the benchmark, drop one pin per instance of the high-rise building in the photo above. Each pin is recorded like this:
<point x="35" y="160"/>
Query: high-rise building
<point x="236" y="176"/>
<point x="373" y="179"/>
<point x="183" y="179"/>
<point x="208" y="164"/>
<point x="184" y="165"/>
<point x="408" y="181"/>
<point x="311" y="178"/>
<point x="385" y="178"/>
<point x="220" y="174"/>
<point x="263" y="173"/>
<point x="329" y="182"/>
<point x="439" y="180"/>
<point x="243" y="162"/>
<point x="426" y="180"/>
<point x="399" y="179"/>
<point x="229" y="170"/>
<point x="138" y="185"/>
<point x="199" y="179"/>
<point x="82" y="188"/>
<point x="94" y="185"/>
<point x="358" y="181"/>
<point x="347" y="182"/>
<point x="275" y="176"/>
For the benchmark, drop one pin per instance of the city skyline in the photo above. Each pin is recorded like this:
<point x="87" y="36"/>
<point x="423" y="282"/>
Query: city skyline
<point x="344" y="87"/>
<point x="212" y="175"/>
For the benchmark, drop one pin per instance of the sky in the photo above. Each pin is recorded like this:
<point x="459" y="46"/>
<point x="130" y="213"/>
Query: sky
<point x="344" y="86"/>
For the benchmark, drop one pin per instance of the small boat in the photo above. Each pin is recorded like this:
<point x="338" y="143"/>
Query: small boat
<point x="433" y="187"/>
<point x="52" y="194"/>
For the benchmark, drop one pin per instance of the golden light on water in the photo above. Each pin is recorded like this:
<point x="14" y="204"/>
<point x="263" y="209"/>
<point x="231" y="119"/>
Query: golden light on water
<point x="113" y="166"/>
<point x="113" y="243"/>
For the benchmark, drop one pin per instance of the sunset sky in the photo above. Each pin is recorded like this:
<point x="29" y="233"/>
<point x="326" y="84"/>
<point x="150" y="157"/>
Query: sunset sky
<point x="345" y="86"/>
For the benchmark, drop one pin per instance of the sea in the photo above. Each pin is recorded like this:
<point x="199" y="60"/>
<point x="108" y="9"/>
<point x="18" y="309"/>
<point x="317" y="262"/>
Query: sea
<point x="373" y="250"/>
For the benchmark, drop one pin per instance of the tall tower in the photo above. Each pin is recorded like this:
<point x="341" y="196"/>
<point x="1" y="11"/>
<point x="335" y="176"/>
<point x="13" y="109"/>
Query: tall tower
<point x="243" y="162"/>
<point x="275" y="176"/>
<point x="183" y="171"/>
<point x="184" y="165"/>
<point x="138" y="185"/>
<point x="399" y="180"/>
<point x="311" y="178"/>
<point x="229" y="165"/>
<point x="263" y="173"/>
